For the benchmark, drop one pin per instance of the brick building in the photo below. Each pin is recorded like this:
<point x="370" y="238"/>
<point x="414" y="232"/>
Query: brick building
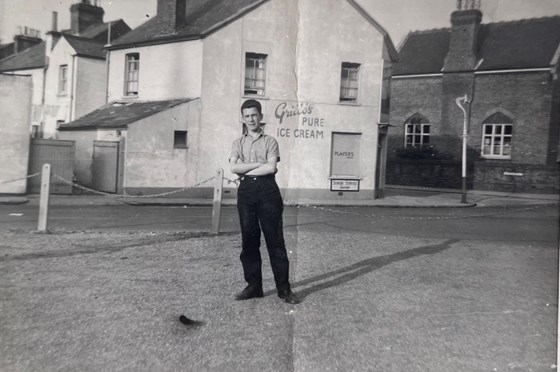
<point x="509" y="72"/>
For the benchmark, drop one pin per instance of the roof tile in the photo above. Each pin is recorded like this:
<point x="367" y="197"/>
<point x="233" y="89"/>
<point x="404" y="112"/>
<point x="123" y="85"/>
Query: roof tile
<point x="528" y="43"/>
<point x="120" y="114"/>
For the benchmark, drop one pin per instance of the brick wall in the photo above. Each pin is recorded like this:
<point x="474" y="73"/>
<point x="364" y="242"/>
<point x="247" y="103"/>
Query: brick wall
<point x="428" y="173"/>
<point x="530" y="99"/>
<point x="527" y="178"/>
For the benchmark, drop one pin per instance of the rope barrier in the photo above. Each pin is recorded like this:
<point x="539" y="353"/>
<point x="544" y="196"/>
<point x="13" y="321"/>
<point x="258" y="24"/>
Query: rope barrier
<point x="22" y="178"/>
<point x="506" y="210"/>
<point x="325" y="209"/>
<point x="131" y="196"/>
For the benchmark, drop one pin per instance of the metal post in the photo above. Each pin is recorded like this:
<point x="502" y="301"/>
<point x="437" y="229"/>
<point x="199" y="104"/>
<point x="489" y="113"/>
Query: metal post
<point x="44" y="198"/>
<point x="217" y="205"/>
<point x="458" y="101"/>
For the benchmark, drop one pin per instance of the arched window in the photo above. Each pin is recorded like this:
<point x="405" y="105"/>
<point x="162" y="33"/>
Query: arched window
<point x="416" y="131"/>
<point x="497" y="131"/>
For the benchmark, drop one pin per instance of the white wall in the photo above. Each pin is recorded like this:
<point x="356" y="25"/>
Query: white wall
<point x="36" y="101"/>
<point x="166" y="71"/>
<point x="58" y="106"/>
<point x="91" y="84"/>
<point x="150" y="159"/>
<point x="15" y="111"/>
<point x="306" y="42"/>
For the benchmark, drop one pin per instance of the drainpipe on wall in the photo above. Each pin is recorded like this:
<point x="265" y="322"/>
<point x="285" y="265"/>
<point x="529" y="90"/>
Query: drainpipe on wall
<point x="108" y="63"/>
<point x="73" y="90"/>
<point x="43" y="108"/>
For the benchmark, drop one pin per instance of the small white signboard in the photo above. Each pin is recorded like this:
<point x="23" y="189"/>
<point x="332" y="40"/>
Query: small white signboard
<point x="345" y="185"/>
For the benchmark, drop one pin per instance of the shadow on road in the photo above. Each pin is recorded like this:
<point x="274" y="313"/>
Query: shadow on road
<point x="345" y="274"/>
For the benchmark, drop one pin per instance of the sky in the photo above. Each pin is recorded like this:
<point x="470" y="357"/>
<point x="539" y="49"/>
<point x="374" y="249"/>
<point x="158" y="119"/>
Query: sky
<point x="398" y="17"/>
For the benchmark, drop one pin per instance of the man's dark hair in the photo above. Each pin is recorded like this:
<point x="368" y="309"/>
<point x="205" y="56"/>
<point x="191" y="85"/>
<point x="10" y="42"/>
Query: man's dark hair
<point x="251" y="103"/>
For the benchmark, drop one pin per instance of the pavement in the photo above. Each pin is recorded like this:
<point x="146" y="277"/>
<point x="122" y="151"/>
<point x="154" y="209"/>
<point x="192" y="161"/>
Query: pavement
<point x="395" y="196"/>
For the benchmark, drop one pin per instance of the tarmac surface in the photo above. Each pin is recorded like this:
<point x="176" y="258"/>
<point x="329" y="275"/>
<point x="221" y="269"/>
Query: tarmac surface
<point x="395" y="196"/>
<point x="461" y="287"/>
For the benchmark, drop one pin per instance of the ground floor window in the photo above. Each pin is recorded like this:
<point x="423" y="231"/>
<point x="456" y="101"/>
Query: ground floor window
<point x="417" y="131"/>
<point x="345" y="155"/>
<point x="497" y="131"/>
<point x="496" y="140"/>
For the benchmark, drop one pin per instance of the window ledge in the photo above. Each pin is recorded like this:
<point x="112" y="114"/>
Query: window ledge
<point x="180" y="147"/>
<point x="129" y="97"/>
<point x="349" y="103"/>
<point x="359" y="178"/>
<point x="252" y="96"/>
<point x="490" y="157"/>
<point x="62" y="94"/>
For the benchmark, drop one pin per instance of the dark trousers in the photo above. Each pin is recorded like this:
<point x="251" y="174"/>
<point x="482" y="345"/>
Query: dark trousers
<point x="260" y="207"/>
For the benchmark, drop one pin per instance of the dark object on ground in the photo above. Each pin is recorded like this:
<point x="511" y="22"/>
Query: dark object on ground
<point x="189" y="322"/>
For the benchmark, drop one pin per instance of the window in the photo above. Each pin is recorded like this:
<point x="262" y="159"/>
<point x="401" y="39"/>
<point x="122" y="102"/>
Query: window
<point x="35" y="131"/>
<point x="62" y="79"/>
<point x="345" y="155"/>
<point x="59" y="122"/>
<point x="131" y="74"/>
<point x="255" y="74"/>
<point x="349" y="82"/>
<point x="180" y="139"/>
<point x="497" y="131"/>
<point x="417" y="131"/>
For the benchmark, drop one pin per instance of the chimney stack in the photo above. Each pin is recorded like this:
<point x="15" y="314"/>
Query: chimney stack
<point x="172" y="14"/>
<point x="54" y="26"/>
<point x="84" y="15"/>
<point x="23" y="42"/>
<point x="465" y="23"/>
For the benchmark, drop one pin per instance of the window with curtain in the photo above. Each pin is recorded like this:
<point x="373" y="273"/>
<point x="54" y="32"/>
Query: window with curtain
<point x="131" y="74"/>
<point x="497" y="134"/>
<point x="255" y="74"/>
<point x="349" y="82"/>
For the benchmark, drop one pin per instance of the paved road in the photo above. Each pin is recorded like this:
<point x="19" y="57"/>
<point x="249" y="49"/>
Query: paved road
<point x="385" y="289"/>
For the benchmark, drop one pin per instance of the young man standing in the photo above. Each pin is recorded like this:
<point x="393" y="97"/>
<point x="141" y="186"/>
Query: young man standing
<point x="260" y="206"/>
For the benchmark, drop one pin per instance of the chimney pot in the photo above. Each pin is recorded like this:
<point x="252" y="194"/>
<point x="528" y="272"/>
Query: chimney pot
<point x="54" y="26"/>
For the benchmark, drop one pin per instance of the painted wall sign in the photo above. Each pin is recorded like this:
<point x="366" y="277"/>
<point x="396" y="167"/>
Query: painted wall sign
<point x="345" y="185"/>
<point x="308" y="125"/>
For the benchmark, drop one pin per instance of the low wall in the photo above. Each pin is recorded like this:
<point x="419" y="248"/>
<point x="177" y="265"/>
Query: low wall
<point x="427" y="173"/>
<point x="520" y="178"/>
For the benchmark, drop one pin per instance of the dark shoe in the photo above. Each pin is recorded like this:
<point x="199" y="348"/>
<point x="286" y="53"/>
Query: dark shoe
<point x="249" y="292"/>
<point x="289" y="297"/>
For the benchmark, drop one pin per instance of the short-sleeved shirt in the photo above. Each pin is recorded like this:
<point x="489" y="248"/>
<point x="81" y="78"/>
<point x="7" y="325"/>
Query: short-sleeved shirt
<point x="259" y="150"/>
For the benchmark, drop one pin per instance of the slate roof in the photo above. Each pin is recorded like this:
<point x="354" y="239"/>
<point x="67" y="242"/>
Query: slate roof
<point x="86" y="47"/>
<point x="523" y="44"/>
<point x="30" y="58"/>
<point x="202" y="17"/>
<point x="120" y="114"/>
<point x="99" y="32"/>
<point x="89" y="43"/>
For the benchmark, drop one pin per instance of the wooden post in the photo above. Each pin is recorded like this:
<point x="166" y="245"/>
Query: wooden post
<point x="44" y="198"/>
<point x="217" y="205"/>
